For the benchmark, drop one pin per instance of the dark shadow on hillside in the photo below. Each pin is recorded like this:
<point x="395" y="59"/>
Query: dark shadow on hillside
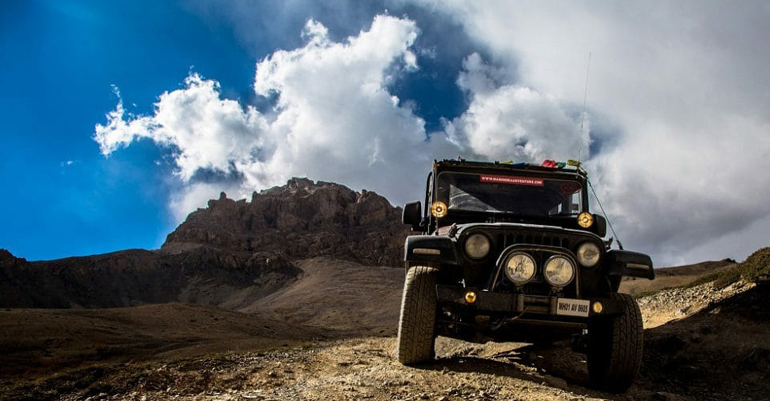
<point x="722" y="352"/>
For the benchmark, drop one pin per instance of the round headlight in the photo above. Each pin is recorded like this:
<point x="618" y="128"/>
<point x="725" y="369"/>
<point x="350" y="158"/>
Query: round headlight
<point x="585" y="219"/>
<point x="520" y="268"/>
<point x="559" y="271"/>
<point x="477" y="246"/>
<point x="588" y="254"/>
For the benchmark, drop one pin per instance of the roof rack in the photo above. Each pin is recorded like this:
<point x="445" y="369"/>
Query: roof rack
<point x="570" y="166"/>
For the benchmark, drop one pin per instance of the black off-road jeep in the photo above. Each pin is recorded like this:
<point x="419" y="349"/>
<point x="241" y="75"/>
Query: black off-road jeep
<point x="510" y="252"/>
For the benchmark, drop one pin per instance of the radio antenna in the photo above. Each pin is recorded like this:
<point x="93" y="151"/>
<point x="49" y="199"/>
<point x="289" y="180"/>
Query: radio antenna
<point x="583" y="114"/>
<point x="620" y="244"/>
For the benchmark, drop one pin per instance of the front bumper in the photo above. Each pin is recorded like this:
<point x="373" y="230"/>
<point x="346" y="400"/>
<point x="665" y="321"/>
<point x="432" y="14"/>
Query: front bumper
<point x="518" y="304"/>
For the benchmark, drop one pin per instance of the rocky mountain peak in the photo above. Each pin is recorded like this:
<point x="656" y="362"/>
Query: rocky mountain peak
<point x="7" y="260"/>
<point x="301" y="183"/>
<point x="301" y="219"/>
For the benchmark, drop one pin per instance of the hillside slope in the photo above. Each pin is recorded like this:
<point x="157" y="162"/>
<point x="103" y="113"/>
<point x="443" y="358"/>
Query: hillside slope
<point x="338" y="295"/>
<point x="670" y="277"/>
<point x="136" y="277"/>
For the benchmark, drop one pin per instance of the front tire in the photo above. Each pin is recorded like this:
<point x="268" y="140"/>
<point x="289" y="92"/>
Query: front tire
<point x="416" y="326"/>
<point x="615" y="347"/>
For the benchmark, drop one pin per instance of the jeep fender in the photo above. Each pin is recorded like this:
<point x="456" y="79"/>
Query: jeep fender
<point x="632" y="264"/>
<point x="430" y="250"/>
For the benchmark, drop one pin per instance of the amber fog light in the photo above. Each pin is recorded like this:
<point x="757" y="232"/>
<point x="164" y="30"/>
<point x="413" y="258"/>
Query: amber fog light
<point x="585" y="219"/>
<point x="597" y="307"/>
<point x="470" y="297"/>
<point x="438" y="209"/>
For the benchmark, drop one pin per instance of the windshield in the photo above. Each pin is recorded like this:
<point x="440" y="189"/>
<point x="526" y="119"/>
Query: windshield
<point x="529" y="196"/>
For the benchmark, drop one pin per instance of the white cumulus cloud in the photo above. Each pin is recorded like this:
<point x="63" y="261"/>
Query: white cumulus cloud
<point x="505" y="121"/>
<point x="334" y="119"/>
<point x="206" y="131"/>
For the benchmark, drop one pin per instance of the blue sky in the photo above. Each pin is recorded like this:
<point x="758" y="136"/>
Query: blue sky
<point x="60" y="59"/>
<point x="119" y="118"/>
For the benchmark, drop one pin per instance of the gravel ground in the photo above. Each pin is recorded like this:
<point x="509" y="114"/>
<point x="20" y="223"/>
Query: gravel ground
<point x="700" y="344"/>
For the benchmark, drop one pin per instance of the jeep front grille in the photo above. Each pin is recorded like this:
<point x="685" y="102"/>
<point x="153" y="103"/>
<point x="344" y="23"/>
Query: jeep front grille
<point x="506" y="240"/>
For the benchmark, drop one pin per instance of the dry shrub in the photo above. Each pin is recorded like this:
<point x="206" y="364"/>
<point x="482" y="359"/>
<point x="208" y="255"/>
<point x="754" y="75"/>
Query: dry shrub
<point x="756" y="265"/>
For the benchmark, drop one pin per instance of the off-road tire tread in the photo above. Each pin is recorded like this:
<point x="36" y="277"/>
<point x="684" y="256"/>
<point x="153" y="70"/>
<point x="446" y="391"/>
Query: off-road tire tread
<point x="416" y="324"/>
<point x="615" y="351"/>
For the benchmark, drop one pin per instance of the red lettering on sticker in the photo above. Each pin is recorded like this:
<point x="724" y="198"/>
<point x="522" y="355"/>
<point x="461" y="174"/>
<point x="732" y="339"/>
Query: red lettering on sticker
<point x="502" y="179"/>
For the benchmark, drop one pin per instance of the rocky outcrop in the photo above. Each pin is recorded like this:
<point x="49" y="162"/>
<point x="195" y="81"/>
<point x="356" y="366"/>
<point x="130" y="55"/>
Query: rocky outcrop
<point x="302" y="219"/>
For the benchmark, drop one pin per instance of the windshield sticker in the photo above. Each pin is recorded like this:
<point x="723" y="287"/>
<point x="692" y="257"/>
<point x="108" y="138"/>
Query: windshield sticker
<point x="568" y="188"/>
<point x="502" y="179"/>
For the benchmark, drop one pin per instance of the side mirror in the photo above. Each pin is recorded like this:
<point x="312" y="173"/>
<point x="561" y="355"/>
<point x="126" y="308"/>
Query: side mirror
<point x="412" y="215"/>
<point x="601" y="225"/>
